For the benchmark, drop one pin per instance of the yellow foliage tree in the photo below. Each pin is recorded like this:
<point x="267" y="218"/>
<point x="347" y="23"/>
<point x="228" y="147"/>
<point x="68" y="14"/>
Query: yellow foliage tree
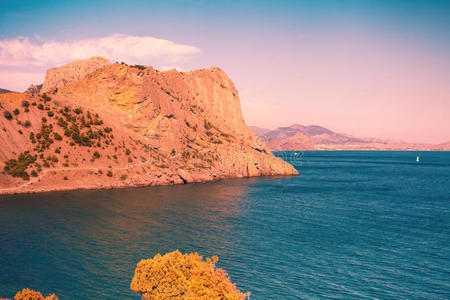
<point x="27" y="294"/>
<point x="183" y="276"/>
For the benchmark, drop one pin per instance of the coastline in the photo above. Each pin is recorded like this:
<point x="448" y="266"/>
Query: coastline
<point x="122" y="185"/>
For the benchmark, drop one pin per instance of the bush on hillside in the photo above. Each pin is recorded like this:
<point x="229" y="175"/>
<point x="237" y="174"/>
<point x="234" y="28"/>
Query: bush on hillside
<point x="7" y="115"/>
<point x="17" y="167"/>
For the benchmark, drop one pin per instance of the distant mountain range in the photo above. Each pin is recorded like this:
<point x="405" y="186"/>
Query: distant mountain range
<point x="313" y="137"/>
<point x="4" y="91"/>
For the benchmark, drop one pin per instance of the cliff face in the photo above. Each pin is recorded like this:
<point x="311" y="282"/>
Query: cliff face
<point x="126" y="125"/>
<point x="58" y="77"/>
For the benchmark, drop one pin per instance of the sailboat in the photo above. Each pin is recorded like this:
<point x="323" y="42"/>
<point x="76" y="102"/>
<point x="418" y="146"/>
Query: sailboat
<point x="417" y="159"/>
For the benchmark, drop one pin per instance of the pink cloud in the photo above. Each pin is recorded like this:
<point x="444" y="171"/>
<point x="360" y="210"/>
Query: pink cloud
<point x="21" y="52"/>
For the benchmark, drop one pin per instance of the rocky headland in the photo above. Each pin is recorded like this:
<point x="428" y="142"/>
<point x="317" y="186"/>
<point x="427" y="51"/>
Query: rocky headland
<point x="95" y="124"/>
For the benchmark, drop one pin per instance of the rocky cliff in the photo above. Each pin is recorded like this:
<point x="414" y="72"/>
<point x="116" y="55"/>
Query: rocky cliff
<point x="61" y="76"/>
<point x="123" y="125"/>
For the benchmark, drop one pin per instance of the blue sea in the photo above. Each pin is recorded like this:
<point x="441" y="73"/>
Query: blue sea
<point x="352" y="225"/>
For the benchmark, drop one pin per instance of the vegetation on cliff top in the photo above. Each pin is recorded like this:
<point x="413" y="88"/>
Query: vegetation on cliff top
<point x="183" y="276"/>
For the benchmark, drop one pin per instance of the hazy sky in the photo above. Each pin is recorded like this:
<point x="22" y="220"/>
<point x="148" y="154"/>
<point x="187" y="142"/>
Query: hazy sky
<point x="367" y="68"/>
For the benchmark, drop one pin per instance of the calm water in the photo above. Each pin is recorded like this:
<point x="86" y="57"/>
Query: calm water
<point x="352" y="225"/>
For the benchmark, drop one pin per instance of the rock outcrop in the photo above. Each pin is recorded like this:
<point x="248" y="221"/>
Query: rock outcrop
<point x="123" y="125"/>
<point x="60" y="76"/>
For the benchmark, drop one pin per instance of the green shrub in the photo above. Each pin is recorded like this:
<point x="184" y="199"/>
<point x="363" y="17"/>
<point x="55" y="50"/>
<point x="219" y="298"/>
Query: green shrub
<point x="57" y="151"/>
<point x="16" y="111"/>
<point x="109" y="173"/>
<point x="46" y="98"/>
<point x="40" y="106"/>
<point x="27" y="123"/>
<point x="96" y="155"/>
<point x="7" y="115"/>
<point x="52" y="158"/>
<point x="57" y="136"/>
<point x="140" y="67"/>
<point x="25" y="103"/>
<point x="34" y="173"/>
<point x="20" y="131"/>
<point x="50" y="113"/>
<point x="26" y="109"/>
<point x="17" y="167"/>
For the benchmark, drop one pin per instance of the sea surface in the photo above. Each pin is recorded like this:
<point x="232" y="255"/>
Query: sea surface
<point x="352" y="225"/>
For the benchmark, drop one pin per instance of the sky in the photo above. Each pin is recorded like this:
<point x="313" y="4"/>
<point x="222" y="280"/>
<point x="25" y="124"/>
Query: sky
<point x="366" y="68"/>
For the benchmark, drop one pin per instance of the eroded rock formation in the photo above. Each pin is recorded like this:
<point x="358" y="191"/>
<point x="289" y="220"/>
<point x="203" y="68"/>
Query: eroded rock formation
<point x="60" y="76"/>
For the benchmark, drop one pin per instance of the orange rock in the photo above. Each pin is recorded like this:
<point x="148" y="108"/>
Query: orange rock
<point x="60" y="76"/>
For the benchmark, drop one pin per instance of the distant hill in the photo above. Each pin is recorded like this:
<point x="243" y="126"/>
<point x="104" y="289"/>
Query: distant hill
<point x="4" y="91"/>
<point x="259" y="130"/>
<point x="314" y="137"/>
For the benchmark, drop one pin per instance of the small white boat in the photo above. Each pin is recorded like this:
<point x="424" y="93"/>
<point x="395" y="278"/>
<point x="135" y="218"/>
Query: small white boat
<point x="417" y="159"/>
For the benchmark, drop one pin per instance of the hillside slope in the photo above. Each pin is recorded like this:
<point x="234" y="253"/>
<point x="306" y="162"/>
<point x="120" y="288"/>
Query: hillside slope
<point x="122" y="126"/>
